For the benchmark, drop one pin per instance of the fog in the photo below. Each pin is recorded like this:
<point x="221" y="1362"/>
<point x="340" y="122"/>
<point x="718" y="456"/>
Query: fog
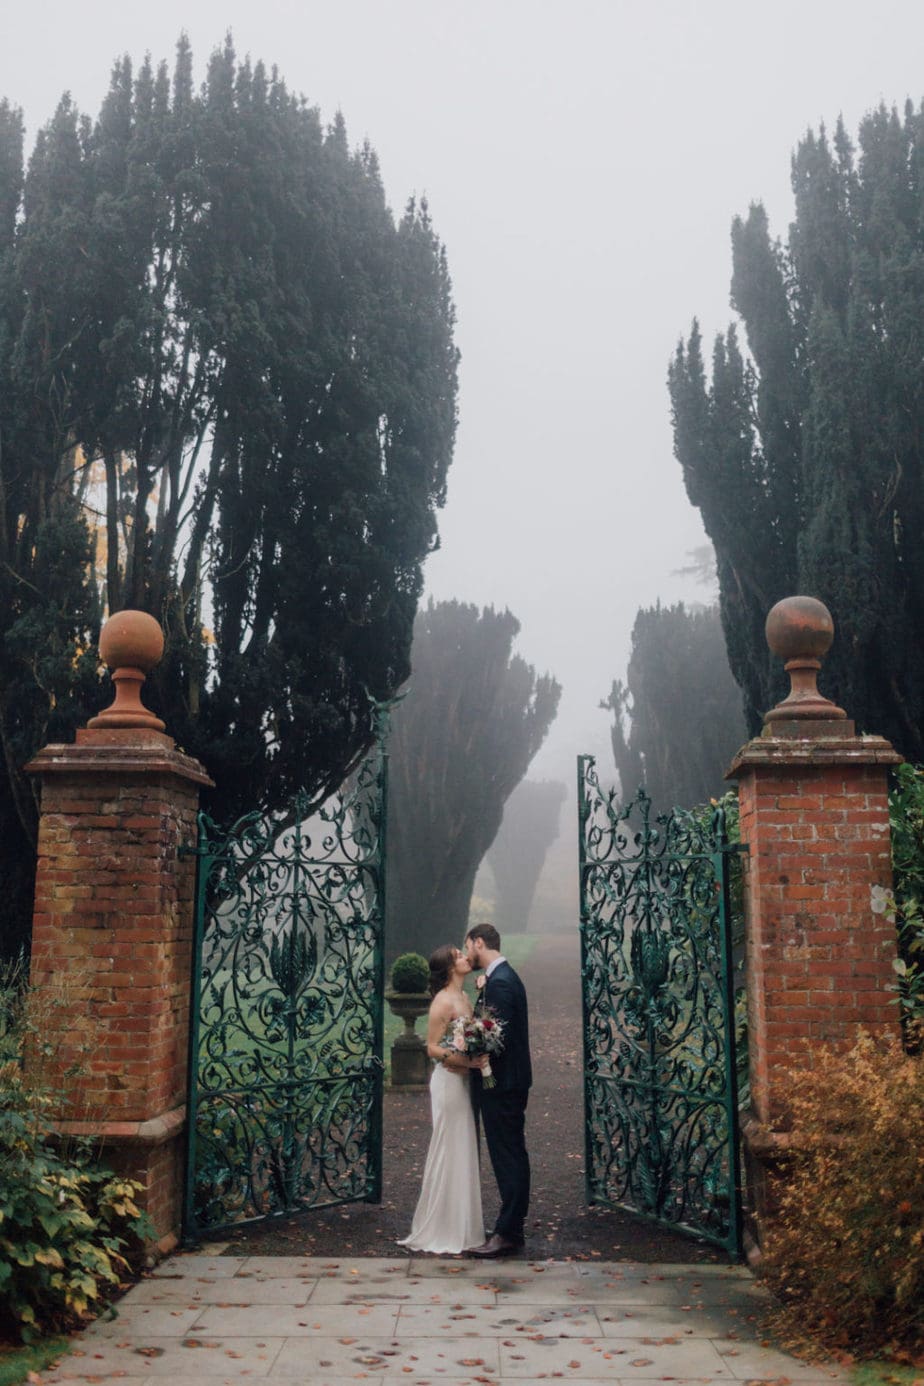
<point x="582" y="163"/>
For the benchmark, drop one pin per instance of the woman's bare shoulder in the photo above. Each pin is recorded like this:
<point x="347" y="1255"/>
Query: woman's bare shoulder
<point x="441" y="1005"/>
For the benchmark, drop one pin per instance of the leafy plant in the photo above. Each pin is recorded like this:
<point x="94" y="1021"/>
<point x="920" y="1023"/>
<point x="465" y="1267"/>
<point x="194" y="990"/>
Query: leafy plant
<point x="410" y="973"/>
<point x="844" y="1251"/>
<point x="66" y="1222"/>
<point x="906" y="818"/>
<point x="706" y="815"/>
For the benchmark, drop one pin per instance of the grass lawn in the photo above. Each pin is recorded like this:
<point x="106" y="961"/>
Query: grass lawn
<point x="17" y="1361"/>
<point x="881" y="1373"/>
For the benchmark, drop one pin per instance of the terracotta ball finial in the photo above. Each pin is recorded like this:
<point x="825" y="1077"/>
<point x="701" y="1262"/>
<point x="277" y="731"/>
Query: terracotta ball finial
<point x="131" y="643"/>
<point x="800" y="630"/>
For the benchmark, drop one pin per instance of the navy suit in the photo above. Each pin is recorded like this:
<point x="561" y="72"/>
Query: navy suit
<point x="502" y="1108"/>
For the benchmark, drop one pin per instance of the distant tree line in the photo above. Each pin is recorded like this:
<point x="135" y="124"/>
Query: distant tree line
<point x="462" y="739"/>
<point x="677" y="716"/>
<point x="518" y="853"/>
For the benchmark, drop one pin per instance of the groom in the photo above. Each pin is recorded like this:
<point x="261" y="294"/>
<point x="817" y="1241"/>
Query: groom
<point x="503" y="1107"/>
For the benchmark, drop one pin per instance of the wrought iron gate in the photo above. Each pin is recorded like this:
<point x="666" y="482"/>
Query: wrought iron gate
<point x="285" y="1070"/>
<point x="660" y="1081"/>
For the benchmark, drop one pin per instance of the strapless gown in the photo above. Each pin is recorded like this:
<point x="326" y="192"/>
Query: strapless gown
<point x="448" y="1217"/>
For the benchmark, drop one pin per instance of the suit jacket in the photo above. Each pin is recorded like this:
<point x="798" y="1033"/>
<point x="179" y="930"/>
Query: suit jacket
<point x="505" y="994"/>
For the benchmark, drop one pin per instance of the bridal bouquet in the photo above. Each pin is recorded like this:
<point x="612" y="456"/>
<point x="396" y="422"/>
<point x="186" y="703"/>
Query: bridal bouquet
<point x="477" y="1034"/>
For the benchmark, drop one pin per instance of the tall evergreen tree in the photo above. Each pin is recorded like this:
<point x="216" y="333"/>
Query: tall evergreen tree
<point x="678" y="718"/>
<point x="228" y="397"/>
<point x="805" y="456"/>
<point x="474" y="716"/>
<point x="517" y="854"/>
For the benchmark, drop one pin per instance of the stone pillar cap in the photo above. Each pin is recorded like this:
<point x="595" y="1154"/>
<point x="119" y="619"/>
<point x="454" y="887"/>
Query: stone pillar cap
<point x="800" y="631"/>
<point x="131" y="643"/>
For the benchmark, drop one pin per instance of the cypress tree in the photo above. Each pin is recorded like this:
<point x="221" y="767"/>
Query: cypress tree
<point x="678" y="717"/>
<point x="462" y="739"/>
<point x="517" y="854"/>
<point x="229" y="398"/>
<point x="805" y="458"/>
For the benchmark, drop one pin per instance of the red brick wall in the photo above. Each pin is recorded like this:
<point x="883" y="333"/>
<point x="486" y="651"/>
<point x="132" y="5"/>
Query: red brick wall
<point x="160" y="1171"/>
<point x="112" y="949"/>
<point x="113" y="925"/>
<point x="819" y="958"/>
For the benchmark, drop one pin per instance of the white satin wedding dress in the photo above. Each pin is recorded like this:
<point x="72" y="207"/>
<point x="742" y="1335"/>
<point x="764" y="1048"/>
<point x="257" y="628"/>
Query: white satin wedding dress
<point x="448" y="1217"/>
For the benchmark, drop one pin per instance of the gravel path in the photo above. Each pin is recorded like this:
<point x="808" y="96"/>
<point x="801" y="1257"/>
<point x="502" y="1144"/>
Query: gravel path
<point x="559" y="1223"/>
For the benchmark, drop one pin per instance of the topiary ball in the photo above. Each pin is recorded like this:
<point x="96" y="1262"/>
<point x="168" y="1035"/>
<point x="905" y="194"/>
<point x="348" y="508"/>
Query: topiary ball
<point x="410" y="973"/>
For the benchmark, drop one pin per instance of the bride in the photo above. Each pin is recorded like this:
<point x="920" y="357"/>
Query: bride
<point x="448" y="1216"/>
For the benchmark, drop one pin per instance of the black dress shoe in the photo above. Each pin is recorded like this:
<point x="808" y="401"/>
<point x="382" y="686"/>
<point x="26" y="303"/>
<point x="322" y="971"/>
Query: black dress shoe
<point x="494" y="1246"/>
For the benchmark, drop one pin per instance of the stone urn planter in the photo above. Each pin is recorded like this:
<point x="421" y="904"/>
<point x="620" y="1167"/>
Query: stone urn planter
<point x="407" y="998"/>
<point x="410" y="1066"/>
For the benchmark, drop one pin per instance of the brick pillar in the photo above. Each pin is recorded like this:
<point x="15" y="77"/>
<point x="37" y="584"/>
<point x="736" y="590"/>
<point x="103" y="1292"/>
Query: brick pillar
<point x="112" y="934"/>
<point x="814" y="815"/>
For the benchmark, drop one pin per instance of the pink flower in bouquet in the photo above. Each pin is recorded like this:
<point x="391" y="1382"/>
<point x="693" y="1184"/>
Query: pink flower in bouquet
<point x="475" y="1035"/>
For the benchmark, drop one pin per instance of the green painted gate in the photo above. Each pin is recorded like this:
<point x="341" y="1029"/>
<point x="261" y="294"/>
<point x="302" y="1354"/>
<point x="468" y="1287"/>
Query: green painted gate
<point x="658" y="981"/>
<point x="285" y="1069"/>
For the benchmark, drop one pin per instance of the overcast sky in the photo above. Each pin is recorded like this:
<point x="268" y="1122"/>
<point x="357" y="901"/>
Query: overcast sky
<point x="583" y="162"/>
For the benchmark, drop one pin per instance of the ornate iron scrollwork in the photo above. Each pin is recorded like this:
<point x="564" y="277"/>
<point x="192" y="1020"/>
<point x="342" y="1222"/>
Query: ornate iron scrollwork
<point x="661" y="1125"/>
<point x="286" y="1049"/>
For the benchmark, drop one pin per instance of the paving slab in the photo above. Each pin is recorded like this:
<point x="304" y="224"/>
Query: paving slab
<point x="643" y="1359"/>
<point x="217" y="1319"/>
<point x="286" y="1321"/>
<point x="393" y="1358"/>
<point x="323" y="1266"/>
<point x="454" y="1268"/>
<point x="749" y="1361"/>
<point x="101" y="1360"/>
<point x="457" y="1321"/>
<point x="712" y="1321"/>
<point x="313" y="1377"/>
<point x="199" y="1267"/>
<point x="403" y="1292"/>
<point x="139" y="1320"/>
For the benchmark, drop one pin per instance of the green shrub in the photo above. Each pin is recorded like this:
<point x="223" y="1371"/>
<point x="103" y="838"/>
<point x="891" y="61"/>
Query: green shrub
<point x="906" y="819"/>
<point x="65" y="1221"/>
<point x="410" y="973"/>
<point x="845" y="1250"/>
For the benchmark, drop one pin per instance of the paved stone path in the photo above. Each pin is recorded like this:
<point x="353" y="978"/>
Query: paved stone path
<point x="423" y="1320"/>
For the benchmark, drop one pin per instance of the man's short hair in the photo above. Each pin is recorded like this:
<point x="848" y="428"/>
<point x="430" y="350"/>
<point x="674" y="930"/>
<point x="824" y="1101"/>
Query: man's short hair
<point x="488" y="935"/>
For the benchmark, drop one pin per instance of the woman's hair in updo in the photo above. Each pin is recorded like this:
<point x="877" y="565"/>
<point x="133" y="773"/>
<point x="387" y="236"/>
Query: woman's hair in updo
<point x="442" y="962"/>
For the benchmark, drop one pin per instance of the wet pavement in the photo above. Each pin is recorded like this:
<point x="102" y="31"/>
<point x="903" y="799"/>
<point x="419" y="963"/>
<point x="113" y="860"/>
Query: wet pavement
<point x="425" y="1320"/>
